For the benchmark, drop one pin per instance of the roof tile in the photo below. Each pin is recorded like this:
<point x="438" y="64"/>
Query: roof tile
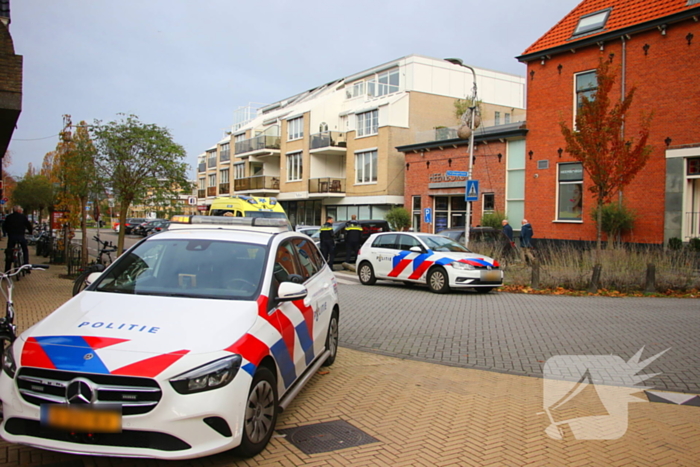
<point x="623" y="14"/>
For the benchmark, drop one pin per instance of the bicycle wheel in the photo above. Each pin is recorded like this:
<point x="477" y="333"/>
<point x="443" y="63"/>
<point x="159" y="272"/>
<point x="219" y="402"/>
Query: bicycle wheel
<point x="80" y="284"/>
<point x="18" y="258"/>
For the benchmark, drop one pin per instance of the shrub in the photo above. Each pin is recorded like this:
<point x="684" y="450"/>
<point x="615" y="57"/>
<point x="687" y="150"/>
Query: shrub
<point x="616" y="219"/>
<point x="493" y="219"/>
<point x="694" y="244"/>
<point x="399" y="219"/>
<point x="675" y="243"/>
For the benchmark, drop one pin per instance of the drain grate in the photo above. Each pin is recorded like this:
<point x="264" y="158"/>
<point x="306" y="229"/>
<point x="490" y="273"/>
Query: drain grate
<point x="326" y="437"/>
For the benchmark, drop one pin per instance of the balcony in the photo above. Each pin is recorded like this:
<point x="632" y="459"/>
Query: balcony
<point x="202" y="167"/>
<point x="260" y="146"/>
<point x="211" y="191"/>
<point x="201" y="193"/>
<point x="331" y="143"/>
<point x="328" y="185"/>
<point x="257" y="183"/>
<point x="224" y="188"/>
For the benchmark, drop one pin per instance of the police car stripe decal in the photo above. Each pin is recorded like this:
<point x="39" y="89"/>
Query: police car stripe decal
<point x="33" y="355"/>
<point x="479" y="262"/>
<point x="420" y="269"/>
<point x="284" y="362"/>
<point x="71" y="353"/>
<point x="252" y="349"/>
<point x="305" y="330"/>
<point x="151" y="367"/>
<point x="399" y="263"/>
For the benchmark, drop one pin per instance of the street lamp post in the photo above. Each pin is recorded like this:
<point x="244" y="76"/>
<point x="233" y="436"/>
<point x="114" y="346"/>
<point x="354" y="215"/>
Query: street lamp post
<point x="472" y="126"/>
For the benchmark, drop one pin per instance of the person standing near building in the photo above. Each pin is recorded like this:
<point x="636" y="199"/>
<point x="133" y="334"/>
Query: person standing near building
<point x="15" y="225"/>
<point x="508" y="230"/>
<point x="327" y="242"/>
<point x="526" y="233"/>
<point x="353" y="235"/>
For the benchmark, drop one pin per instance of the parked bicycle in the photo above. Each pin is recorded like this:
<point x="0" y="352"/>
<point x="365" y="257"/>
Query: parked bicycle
<point x="8" y="329"/>
<point x="104" y="259"/>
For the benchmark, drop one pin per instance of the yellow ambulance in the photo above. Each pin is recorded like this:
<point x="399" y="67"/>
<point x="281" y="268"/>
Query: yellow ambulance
<point x="246" y="206"/>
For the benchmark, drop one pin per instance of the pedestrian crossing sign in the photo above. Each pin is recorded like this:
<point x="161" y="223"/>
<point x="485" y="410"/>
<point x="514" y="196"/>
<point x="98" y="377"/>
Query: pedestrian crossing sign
<point x="472" y="190"/>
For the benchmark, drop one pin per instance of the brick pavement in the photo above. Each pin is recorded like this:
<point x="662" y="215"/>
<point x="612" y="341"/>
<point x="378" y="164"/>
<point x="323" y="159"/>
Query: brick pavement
<point x="422" y="414"/>
<point x="517" y="333"/>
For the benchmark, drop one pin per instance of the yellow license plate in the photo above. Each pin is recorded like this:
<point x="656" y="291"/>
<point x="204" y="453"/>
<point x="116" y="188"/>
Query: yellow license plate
<point x="82" y="419"/>
<point x="491" y="276"/>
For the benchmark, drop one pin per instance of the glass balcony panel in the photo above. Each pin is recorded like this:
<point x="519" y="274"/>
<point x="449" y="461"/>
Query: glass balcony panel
<point x="224" y="188"/>
<point x="328" y="139"/>
<point x="211" y="191"/>
<point x="257" y="182"/>
<point x="327" y="185"/>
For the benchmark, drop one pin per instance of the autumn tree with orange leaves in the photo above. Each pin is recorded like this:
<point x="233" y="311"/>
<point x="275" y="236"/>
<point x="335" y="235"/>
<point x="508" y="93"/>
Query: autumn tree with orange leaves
<point x="598" y="142"/>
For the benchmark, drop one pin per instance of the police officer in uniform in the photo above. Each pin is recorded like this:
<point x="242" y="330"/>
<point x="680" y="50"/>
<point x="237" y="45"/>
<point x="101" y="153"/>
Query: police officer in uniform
<point x="327" y="241"/>
<point x="353" y="234"/>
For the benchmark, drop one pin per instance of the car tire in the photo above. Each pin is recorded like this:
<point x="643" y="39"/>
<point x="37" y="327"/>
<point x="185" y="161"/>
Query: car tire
<point x="438" y="281"/>
<point x="261" y="411"/>
<point x="332" y="339"/>
<point x="366" y="274"/>
<point x="483" y="289"/>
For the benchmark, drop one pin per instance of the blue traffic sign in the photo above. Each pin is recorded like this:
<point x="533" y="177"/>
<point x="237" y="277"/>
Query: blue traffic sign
<point x="2" y="201"/>
<point x="472" y="190"/>
<point x="428" y="215"/>
<point x="456" y="173"/>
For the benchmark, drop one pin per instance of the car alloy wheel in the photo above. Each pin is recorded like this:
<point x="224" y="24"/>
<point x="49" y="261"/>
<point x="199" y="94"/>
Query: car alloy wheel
<point x="260" y="414"/>
<point x="366" y="274"/>
<point x="437" y="281"/>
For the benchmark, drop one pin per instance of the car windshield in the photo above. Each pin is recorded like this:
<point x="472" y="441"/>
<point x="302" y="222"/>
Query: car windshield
<point x="188" y="268"/>
<point x="440" y="243"/>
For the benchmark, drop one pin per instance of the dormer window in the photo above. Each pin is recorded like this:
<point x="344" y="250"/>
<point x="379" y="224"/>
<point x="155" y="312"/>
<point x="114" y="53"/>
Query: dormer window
<point x="593" y="22"/>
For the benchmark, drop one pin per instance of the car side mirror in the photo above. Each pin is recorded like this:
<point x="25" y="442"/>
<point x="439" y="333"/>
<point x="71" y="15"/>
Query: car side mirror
<point x="289" y="291"/>
<point x="92" y="278"/>
<point x="416" y="249"/>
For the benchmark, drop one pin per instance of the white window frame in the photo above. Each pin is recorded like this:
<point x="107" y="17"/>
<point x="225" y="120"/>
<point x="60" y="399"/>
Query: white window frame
<point x="294" y="166"/>
<point x="584" y="91"/>
<point x="368" y="123"/>
<point x="223" y="176"/>
<point x="202" y="183"/>
<point x="212" y="180"/>
<point x="239" y="170"/>
<point x="295" y="128"/>
<point x="497" y="118"/>
<point x="366" y="167"/>
<point x="483" y="203"/>
<point x="567" y="183"/>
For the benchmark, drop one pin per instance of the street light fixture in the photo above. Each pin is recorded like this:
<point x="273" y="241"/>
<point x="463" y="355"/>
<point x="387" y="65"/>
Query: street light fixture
<point x="472" y="126"/>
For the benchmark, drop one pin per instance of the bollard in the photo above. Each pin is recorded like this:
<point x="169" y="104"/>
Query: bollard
<point x="650" y="286"/>
<point x="595" y="279"/>
<point x="535" y="279"/>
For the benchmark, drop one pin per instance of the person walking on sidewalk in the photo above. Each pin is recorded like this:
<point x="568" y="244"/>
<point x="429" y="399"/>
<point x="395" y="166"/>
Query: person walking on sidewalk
<point x="327" y="242"/>
<point x="15" y="225"/>
<point x="526" y="233"/>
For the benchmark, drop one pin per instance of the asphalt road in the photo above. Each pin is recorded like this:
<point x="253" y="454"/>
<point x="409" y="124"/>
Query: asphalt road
<point x="517" y="333"/>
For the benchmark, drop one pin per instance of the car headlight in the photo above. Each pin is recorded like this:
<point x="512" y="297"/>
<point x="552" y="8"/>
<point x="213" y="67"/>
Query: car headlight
<point x="8" y="362"/>
<point x="461" y="266"/>
<point x="213" y="375"/>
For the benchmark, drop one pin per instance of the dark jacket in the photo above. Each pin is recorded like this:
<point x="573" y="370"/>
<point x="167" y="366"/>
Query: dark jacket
<point x="525" y="236"/>
<point x="15" y="224"/>
<point x="326" y="234"/>
<point x="353" y="232"/>
<point x="508" y="230"/>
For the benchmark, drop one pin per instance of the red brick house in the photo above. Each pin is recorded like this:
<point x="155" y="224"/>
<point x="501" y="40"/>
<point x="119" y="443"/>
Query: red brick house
<point x="654" y="46"/>
<point x="499" y="163"/>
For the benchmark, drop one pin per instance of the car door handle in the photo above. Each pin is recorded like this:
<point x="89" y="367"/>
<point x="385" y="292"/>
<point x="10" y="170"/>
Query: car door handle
<point x="325" y="285"/>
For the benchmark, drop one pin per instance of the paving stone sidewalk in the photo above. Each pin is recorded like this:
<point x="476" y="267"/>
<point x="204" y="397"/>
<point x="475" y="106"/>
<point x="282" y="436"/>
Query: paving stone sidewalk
<point x="421" y="414"/>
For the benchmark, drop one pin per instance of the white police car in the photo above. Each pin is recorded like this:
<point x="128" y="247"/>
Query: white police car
<point x="428" y="259"/>
<point x="189" y="344"/>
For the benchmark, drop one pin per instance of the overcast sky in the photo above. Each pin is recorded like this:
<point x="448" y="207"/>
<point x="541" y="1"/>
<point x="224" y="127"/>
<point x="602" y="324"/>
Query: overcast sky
<point x="188" y="64"/>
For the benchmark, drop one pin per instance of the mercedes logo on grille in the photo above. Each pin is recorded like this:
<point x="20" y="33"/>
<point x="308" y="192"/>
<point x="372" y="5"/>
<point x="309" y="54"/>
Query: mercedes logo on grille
<point x="80" y="391"/>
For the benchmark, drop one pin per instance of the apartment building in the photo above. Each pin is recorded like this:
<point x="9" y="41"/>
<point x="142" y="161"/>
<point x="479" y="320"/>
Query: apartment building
<point x="331" y="150"/>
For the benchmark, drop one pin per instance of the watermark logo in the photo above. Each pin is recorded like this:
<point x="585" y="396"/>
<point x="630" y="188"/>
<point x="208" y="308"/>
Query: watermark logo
<point x="590" y="393"/>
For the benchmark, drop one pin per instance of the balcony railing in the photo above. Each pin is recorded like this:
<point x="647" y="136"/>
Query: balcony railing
<point x="211" y="161"/>
<point x="224" y="188"/>
<point x="256" y="144"/>
<point x="327" y="185"/>
<point x="328" y="139"/>
<point x="202" y="167"/>
<point x="211" y="191"/>
<point x="225" y="156"/>
<point x="201" y="193"/>
<point x="257" y="182"/>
